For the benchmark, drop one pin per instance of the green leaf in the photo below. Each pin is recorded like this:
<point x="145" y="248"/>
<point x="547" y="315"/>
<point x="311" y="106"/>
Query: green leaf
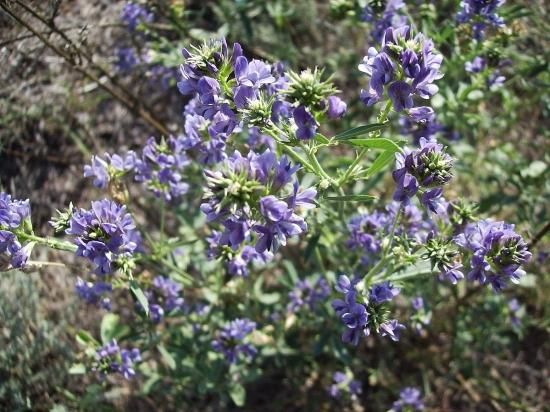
<point x="319" y="138"/>
<point x="237" y="393"/>
<point x="351" y="198"/>
<point x="77" y="369"/>
<point x="376" y="143"/>
<point x="111" y="328"/>
<point x="83" y="338"/>
<point x="265" y="298"/>
<point x="167" y="357"/>
<point x="108" y="327"/>
<point x="138" y="295"/>
<point x="383" y="159"/>
<point x="359" y="131"/>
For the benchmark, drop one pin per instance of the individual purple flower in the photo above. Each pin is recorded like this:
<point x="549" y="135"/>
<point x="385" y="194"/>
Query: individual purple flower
<point x="495" y="80"/>
<point x="392" y="329"/>
<point x="307" y="125"/>
<point x="308" y="294"/>
<point x="104" y="234"/>
<point x="382" y="292"/>
<point x="410" y="399"/>
<point x="94" y="293"/>
<point x="133" y="15"/>
<point x="428" y="167"/>
<point x="161" y="167"/>
<point x="498" y="252"/>
<point x="477" y="65"/>
<point x="231" y="340"/>
<point x="336" y="107"/>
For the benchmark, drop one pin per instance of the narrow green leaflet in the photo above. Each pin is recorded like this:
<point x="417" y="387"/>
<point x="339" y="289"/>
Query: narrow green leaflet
<point x="375" y="143"/>
<point x="352" y="198"/>
<point x="383" y="159"/>
<point x="359" y="131"/>
<point x="138" y="294"/>
<point x="167" y="357"/>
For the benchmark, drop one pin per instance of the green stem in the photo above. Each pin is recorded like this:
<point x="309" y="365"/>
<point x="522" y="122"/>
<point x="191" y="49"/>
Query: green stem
<point x="48" y="241"/>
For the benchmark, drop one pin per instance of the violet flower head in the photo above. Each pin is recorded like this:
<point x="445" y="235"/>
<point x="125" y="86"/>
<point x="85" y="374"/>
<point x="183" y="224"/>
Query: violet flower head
<point x="480" y="14"/>
<point x="498" y="253"/>
<point x="406" y="67"/>
<point x="390" y="16"/>
<point x="161" y="167"/>
<point x="109" y="358"/>
<point x="410" y="399"/>
<point x="13" y="214"/>
<point x="344" y="384"/>
<point x="383" y="292"/>
<point x="104" y="234"/>
<point x="133" y="14"/>
<point x="103" y="170"/>
<point x="353" y="315"/>
<point x="94" y="293"/>
<point x="308" y="294"/>
<point x="477" y="65"/>
<point x="428" y="167"/>
<point x="164" y="297"/>
<point x="231" y="340"/>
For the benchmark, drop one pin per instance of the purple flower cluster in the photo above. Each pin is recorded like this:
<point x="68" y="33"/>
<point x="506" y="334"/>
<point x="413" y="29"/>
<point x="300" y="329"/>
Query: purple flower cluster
<point x="104" y="234"/>
<point x="133" y="14"/>
<point x="111" y="167"/>
<point x="161" y="165"/>
<point x="238" y="261"/>
<point x="344" y="384"/>
<point x="498" y="253"/>
<point x="359" y="318"/>
<point x="111" y="359"/>
<point x="425" y="169"/>
<point x="164" y="297"/>
<point x="94" y="293"/>
<point x="230" y="340"/>
<point x="410" y="399"/>
<point x="390" y="17"/>
<point x="405" y="67"/>
<point x="479" y="14"/>
<point x="307" y="293"/>
<point x="368" y="230"/>
<point x="249" y="195"/>
<point x="126" y="59"/>
<point x="12" y="216"/>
